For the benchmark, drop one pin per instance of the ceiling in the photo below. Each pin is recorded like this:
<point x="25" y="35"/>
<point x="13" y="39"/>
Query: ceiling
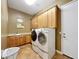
<point x="33" y="9"/>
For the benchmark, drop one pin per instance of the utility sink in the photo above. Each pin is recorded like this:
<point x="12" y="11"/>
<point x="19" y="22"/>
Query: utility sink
<point x="10" y="52"/>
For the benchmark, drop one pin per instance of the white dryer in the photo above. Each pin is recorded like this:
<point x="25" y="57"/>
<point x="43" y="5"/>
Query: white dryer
<point x="44" y="44"/>
<point x="34" y="36"/>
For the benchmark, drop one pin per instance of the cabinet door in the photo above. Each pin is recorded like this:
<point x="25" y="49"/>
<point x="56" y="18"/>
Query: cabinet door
<point x="49" y="18"/>
<point x="28" y="38"/>
<point x="16" y="40"/>
<point x="53" y="17"/>
<point x="44" y="20"/>
<point x="35" y="22"/>
<point x="22" y="39"/>
<point x="40" y="23"/>
<point x="11" y="41"/>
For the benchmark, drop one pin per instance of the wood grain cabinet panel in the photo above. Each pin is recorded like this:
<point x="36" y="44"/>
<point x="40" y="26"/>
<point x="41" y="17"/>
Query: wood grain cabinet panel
<point x="18" y="40"/>
<point x="21" y="39"/>
<point x="11" y="41"/>
<point x="40" y="23"/>
<point x="44" y="20"/>
<point x="28" y="39"/>
<point x="35" y="22"/>
<point x="47" y="19"/>
<point x="53" y="17"/>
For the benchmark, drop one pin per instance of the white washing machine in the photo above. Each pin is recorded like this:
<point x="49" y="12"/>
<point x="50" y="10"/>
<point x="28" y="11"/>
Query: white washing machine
<point x="44" y="42"/>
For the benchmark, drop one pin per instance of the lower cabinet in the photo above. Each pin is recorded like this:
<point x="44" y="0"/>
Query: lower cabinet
<point x="11" y="41"/>
<point x="18" y="40"/>
<point x="28" y="39"/>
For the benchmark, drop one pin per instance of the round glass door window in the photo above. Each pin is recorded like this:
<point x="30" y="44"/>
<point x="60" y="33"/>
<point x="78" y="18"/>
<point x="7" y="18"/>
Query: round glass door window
<point x="42" y="38"/>
<point x="33" y="35"/>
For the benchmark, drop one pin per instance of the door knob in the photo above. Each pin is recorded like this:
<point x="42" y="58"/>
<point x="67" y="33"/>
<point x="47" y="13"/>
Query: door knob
<point x="64" y="33"/>
<point x="64" y="36"/>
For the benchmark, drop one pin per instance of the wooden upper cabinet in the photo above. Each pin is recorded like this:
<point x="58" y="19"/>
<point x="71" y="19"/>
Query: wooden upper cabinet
<point x="40" y="21"/>
<point x="47" y="19"/>
<point x="44" y="20"/>
<point x="35" y="22"/>
<point x="52" y="18"/>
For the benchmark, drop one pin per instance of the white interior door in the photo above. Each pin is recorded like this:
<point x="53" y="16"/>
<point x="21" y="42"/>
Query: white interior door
<point x="69" y="22"/>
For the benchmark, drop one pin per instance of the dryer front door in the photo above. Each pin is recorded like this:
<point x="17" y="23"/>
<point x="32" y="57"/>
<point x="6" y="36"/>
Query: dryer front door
<point x="43" y="42"/>
<point x="42" y="38"/>
<point x="34" y="35"/>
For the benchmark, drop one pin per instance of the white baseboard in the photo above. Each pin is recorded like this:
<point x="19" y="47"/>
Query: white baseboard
<point x="59" y="52"/>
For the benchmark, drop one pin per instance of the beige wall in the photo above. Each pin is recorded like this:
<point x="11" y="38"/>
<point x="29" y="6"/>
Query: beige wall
<point x="4" y="22"/>
<point x="13" y="16"/>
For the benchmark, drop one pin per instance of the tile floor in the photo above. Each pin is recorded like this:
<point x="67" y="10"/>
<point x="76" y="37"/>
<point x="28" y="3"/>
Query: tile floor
<point x="26" y="52"/>
<point x="59" y="56"/>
